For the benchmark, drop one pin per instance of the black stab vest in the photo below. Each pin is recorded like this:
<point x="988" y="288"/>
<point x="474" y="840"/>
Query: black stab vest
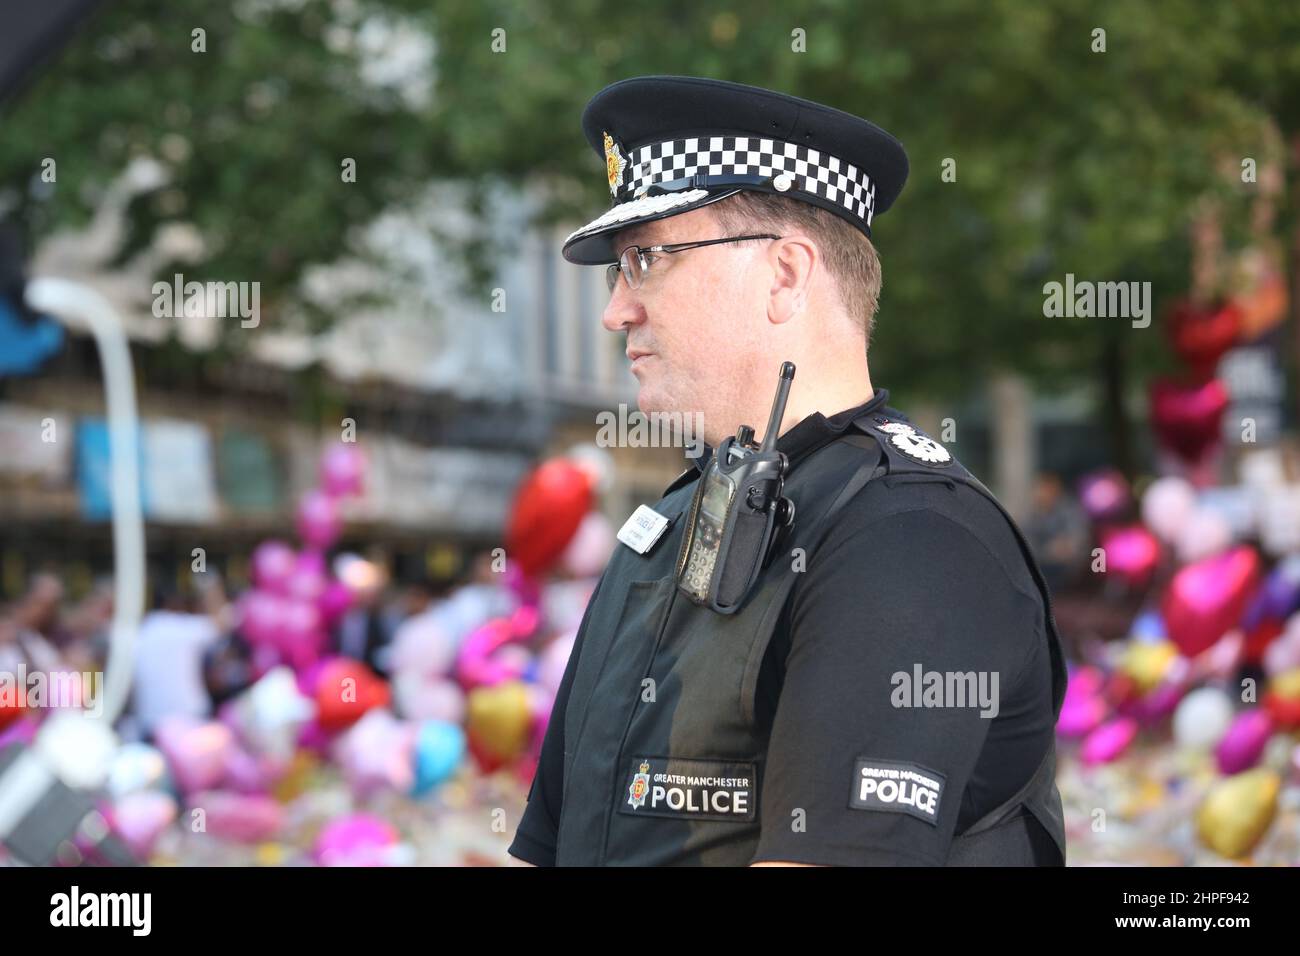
<point x="663" y="686"/>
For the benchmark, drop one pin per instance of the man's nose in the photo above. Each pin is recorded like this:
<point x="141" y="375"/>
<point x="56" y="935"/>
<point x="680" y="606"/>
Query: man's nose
<point x="623" y="310"/>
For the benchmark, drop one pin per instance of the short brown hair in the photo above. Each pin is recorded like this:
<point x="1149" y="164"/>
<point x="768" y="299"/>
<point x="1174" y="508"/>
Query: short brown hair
<point x="850" y="257"/>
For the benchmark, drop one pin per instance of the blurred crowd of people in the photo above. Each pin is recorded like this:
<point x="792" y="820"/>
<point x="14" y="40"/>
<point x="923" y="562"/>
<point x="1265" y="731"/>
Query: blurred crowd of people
<point x="189" y="654"/>
<point x="44" y="630"/>
<point x="1058" y="530"/>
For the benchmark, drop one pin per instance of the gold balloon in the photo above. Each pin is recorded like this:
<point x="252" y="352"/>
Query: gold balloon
<point x="269" y="854"/>
<point x="1148" y="663"/>
<point x="297" y="778"/>
<point x="1237" y="811"/>
<point x="1286" y="684"/>
<point x="1148" y="796"/>
<point x="501" y="719"/>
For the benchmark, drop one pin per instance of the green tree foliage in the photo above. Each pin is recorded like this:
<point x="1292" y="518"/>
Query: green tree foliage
<point x="1067" y="159"/>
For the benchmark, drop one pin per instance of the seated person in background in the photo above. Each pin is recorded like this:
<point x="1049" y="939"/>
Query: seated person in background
<point x="169" y="679"/>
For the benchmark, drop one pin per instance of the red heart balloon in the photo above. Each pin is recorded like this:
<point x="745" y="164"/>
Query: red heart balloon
<point x="547" y="510"/>
<point x="1285" y="711"/>
<point x="345" y="691"/>
<point x="1206" y="599"/>
<point x="1259" y="638"/>
<point x="11" y="711"/>
<point x="1186" y="418"/>
<point x="1201" y="335"/>
<point x="1121" y="690"/>
<point x="488" y="760"/>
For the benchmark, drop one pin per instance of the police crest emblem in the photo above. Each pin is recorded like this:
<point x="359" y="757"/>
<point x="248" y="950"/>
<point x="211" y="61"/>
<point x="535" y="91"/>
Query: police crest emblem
<point x="640" y="786"/>
<point x="914" y="444"/>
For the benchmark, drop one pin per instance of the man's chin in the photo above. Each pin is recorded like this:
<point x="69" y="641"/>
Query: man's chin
<point x="652" y="401"/>
<point x="647" y="399"/>
<point x="653" y="397"/>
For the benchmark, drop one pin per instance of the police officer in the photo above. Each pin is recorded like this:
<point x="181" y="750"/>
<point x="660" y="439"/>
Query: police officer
<point x="849" y="659"/>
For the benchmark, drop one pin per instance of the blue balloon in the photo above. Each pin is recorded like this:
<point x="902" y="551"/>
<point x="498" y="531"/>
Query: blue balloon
<point x="25" y="345"/>
<point x="1149" y="628"/>
<point x="439" y="749"/>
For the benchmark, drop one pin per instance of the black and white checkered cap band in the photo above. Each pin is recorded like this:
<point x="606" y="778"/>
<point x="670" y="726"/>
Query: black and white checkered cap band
<point x="811" y="171"/>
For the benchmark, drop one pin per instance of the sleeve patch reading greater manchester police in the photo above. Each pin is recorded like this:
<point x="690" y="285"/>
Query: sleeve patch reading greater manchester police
<point x="893" y="787"/>
<point x="690" y="789"/>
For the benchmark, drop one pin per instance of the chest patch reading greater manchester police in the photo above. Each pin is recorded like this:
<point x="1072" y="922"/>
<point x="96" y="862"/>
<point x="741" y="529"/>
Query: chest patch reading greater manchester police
<point x="691" y="789"/>
<point x="893" y="787"/>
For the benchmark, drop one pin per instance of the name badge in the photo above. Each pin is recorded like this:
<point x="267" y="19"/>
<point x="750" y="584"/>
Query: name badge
<point x="643" y="529"/>
<point x="685" y="788"/>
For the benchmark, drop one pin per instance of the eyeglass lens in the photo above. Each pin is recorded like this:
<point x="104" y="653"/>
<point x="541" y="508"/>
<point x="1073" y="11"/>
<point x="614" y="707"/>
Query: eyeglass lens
<point x="630" y="265"/>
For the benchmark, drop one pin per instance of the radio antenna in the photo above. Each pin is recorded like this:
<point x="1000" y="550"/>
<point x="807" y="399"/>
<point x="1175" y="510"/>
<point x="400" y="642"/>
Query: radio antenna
<point x="778" y="406"/>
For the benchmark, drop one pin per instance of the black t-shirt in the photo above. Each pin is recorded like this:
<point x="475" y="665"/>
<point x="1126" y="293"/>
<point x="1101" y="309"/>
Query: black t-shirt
<point x="921" y="576"/>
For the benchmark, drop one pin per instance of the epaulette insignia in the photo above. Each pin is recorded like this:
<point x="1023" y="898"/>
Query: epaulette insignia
<point x="912" y="443"/>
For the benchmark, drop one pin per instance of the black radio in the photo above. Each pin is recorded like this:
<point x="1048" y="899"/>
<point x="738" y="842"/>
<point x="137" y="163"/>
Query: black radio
<point x="737" y="513"/>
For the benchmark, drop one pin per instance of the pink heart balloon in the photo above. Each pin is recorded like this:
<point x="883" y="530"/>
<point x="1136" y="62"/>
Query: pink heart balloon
<point x="334" y="601"/>
<point x="319" y="522"/>
<point x="1244" y="742"/>
<point x="246" y="818"/>
<point x="139" y="818"/>
<point x="1104" y="494"/>
<point x="273" y="563"/>
<point x="309" y="578"/>
<point x="259" y="616"/>
<point x="1085" y="681"/>
<point x="1186" y="417"/>
<point x="1108" y="741"/>
<point x="1160" y="702"/>
<point x="246" y="773"/>
<point x="480" y="664"/>
<point x="342" y="470"/>
<point x="1081" y="716"/>
<point x="1131" y="551"/>
<point x="356" y="840"/>
<point x="315" y="738"/>
<point x="196" y="752"/>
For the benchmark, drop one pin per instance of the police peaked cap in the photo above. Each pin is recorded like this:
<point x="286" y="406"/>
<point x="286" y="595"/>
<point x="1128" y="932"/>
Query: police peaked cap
<point x="675" y="143"/>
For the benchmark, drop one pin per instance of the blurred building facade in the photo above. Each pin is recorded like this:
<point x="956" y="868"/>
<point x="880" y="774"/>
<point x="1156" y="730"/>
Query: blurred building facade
<point x="453" y="397"/>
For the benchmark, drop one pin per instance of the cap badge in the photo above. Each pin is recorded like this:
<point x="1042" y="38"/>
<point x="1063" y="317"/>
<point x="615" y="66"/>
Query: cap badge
<point x="615" y="163"/>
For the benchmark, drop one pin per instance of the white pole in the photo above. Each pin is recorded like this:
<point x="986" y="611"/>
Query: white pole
<point x="80" y="307"/>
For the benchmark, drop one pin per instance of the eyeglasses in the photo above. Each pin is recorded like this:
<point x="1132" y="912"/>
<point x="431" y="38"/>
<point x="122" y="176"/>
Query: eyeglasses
<point x="634" y="260"/>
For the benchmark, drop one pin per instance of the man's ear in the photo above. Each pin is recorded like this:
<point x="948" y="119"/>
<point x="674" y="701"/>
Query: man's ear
<point x="793" y="260"/>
